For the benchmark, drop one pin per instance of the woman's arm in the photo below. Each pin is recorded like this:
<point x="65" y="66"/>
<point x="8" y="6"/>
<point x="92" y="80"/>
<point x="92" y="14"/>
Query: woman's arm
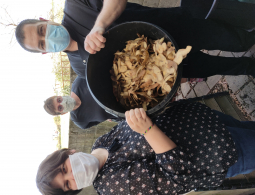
<point x="111" y="11"/>
<point x="140" y="122"/>
<point x="159" y="141"/>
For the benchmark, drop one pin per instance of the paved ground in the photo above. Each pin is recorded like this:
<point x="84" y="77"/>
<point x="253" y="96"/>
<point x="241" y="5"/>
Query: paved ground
<point x="242" y="88"/>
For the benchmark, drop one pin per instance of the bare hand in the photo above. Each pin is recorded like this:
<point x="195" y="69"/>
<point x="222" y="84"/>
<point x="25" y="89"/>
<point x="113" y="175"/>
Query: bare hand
<point x="94" y="41"/>
<point x="138" y="120"/>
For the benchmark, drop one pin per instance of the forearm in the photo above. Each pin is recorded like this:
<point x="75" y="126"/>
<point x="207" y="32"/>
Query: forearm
<point x="111" y="11"/>
<point x="159" y="141"/>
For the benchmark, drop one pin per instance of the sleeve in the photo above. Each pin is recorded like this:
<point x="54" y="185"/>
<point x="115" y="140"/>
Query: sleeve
<point x="107" y="139"/>
<point x="93" y="4"/>
<point x="100" y="141"/>
<point x="76" y="84"/>
<point x="98" y="192"/>
<point x="176" y="164"/>
<point x="85" y="125"/>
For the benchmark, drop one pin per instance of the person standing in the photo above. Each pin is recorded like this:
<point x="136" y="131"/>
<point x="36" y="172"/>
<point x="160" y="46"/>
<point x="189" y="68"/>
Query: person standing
<point x="84" y="22"/>
<point x="84" y="110"/>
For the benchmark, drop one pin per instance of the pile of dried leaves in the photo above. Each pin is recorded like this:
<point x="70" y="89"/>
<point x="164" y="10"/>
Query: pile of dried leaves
<point x="144" y="72"/>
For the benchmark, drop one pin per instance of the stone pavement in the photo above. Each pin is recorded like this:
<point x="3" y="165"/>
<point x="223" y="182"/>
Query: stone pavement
<point x="242" y="88"/>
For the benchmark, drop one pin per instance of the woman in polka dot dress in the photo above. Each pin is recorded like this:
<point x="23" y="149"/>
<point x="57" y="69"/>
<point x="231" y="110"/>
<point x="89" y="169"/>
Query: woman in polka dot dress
<point x="187" y="147"/>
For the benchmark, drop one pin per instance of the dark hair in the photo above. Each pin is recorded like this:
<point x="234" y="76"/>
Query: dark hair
<point x="49" y="106"/>
<point x="48" y="170"/>
<point x="19" y="33"/>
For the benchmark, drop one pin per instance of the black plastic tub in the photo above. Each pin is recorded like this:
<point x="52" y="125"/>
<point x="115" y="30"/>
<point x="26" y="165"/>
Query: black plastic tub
<point x="99" y="65"/>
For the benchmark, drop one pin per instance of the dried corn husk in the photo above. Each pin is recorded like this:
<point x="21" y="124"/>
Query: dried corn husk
<point x="145" y="71"/>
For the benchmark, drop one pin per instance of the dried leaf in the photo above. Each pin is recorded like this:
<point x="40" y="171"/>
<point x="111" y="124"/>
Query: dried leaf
<point x="144" y="72"/>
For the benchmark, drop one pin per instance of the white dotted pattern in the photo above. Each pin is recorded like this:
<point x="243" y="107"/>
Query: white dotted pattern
<point x="204" y="153"/>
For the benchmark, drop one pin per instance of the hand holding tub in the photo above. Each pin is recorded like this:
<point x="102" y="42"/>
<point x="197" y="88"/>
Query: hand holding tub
<point x="111" y="10"/>
<point x="94" y="40"/>
<point x="141" y="123"/>
<point x="138" y="120"/>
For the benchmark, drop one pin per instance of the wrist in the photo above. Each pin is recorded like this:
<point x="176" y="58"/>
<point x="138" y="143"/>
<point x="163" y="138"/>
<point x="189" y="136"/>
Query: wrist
<point x="145" y="132"/>
<point x="100" y="25"/>
<point x="98" y="29"/>
<point x="152" y="131"/>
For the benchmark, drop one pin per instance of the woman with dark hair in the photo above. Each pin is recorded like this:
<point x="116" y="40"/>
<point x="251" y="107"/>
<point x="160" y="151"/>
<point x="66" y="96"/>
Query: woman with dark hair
<point x="187" y="147"/>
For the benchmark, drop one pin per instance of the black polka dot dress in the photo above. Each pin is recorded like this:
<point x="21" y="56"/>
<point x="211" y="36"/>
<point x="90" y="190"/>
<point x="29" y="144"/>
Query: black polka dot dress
<point x="205" y="150"/>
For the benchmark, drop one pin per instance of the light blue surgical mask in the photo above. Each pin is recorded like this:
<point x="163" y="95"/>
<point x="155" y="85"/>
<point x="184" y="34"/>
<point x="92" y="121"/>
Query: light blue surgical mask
<point x="57" y="38"/>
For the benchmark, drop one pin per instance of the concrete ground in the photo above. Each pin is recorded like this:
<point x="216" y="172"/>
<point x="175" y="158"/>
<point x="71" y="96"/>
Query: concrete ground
<point x="241" y="88"/>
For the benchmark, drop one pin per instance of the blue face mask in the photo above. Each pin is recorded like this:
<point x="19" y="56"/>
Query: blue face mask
<point x="57" y="38"/>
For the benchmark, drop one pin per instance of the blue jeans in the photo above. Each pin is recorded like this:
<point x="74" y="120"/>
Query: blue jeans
<point x="243" y="134"/>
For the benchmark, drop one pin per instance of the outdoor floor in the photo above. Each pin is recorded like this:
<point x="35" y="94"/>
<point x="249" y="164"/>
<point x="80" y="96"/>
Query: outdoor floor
<point x="241" y="88"/>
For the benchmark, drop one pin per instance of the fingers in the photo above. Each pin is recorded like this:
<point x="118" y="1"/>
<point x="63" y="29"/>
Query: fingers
<point x="133" y="116"/>
<point x="138" y="114"/>
<point x="143" y="113"/>
<point x="144" y="116"/>
<point x="94" y="42"/>
<point x="127" y="114"/>
<point x="100" y="38"/>
<point x="138" y="120"/>
<point x="89" y="49"/>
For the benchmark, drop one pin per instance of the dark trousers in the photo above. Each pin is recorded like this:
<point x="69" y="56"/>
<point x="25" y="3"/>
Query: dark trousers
<point x="243" y="134"/>
<point x="203" y="65"/>
<point x="235" y="12"/>
<point x="219" y="36"/>
<point x="200" y="34"/>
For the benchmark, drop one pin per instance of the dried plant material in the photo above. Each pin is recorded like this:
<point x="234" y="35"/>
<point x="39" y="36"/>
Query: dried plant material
<point x="145" y="72"/>
<point x="181" y="54"/>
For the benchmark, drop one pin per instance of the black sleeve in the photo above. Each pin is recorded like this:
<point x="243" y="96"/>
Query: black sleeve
<point x="85" y="125"/>
<point x="76" y="83"/>
<point x="91" y="124"/>
<point x="107" y="139"/>
<point x="93" y="4"/>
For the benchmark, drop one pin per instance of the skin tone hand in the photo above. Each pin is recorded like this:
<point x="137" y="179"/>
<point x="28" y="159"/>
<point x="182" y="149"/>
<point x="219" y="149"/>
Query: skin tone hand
<point x="95" y="41"/>
<point x="111" y="10"/>
<point x="139" y="122"/>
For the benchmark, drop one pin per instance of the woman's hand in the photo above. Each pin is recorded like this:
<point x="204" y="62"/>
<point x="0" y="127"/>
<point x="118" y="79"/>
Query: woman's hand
<point x="138" y="120"/>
